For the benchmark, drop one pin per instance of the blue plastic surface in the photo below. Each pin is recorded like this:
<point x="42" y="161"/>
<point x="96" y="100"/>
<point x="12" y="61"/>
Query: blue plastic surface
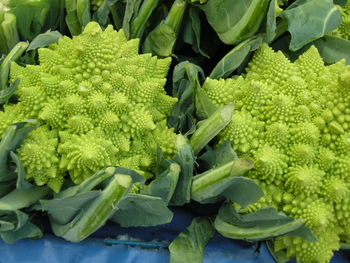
<point x="151" y="247"/>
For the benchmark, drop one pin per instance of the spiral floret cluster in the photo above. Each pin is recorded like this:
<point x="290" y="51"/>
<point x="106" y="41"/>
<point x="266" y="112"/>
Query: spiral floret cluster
<point x="99" y="103"/>
<point x="293" y="120"/>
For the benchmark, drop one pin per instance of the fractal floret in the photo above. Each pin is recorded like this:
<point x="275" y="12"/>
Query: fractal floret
<point x="343" y="30"/>
<point x="293" y="120"/>
<point x="99" y="103"/>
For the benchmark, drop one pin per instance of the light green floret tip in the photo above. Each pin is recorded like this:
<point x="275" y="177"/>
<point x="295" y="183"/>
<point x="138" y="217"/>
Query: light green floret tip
<point x="104" y="103"/>
<point x="293" y="121"/>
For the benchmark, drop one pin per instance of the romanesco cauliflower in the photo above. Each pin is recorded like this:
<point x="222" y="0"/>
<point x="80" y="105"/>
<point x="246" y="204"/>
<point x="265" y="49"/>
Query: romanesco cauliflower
<point x="99" y="104"/>
<point x="293" y="120"/>
<point x="343" y="30"/>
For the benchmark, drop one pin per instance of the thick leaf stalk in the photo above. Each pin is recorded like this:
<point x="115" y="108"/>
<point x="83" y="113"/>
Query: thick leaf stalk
<point x="207" y="179"/>
<point x="211" y="127"/>
<point x="94" y="215"/>
<point x="162" y="39"/>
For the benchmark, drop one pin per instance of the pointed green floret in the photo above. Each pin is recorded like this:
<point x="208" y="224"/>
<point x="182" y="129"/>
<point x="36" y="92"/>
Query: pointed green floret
<point x="99" y="103"/>
<point x="293" y="121"/>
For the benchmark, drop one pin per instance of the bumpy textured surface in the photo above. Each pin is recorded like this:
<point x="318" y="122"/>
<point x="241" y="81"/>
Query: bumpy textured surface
<point x="99" y="102"/>
<point x="293" y="120"/>
<point x="343" y="30"/>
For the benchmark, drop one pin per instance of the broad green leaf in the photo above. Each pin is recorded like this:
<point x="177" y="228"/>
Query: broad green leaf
<point x="164" y="184"/>
<point x="310" y="20"/>
<point x="263" y="224"/>
<point x="232" y="60"/>
<point x="340" y="2"/>
<point x="6" y="187"/>
<point x="332" y="49"/>
<point x="131" y="10"/>
<point x="29" y="230"/>
<point x="83" y="12"/>
<point x="30" y="15"/>
<point x="185" y="158"/>
<point x="222" y="154"/>
<point x="71" y="18"/>
<point x="204" y="107"/>
<point x="185" y="77"/>
<point x="19" y="199"/>
<point x="271" y="24"/>
<point x="136" y="210"/>
<point x="160" y="41"/>
<point x="44" y="40"/>
<point x="189" y="244"/>
<point x="15" y="225"/>
<point x="64" y="210"/>
<point x="192" y="31"/>
<point x="235" y="21"/>
<point x="86" y="222"/>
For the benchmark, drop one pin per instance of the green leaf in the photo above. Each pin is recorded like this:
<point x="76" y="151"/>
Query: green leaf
<point x="83" y="12"/>
<point x="6" y="93"/>
<point x="71" y="18"/>
<point x="185" y="77"/>
<point x="19" y="199"/>
<point x="192" y="31"/>
<point x="263" y="224"/>
<point x="279" y="256"/>
<point x="160" y="41"/>
<point x="189" y="245"/>
<point x="310" y="20"/>
<point x="213" y="185"/>
<point x="139" y="22"/>
<point x="185" y="158"/>
<point x="232" y="60"/>
<point x="204" y="107"/>
<point x="235" y="21"/>
<point x="132" y="7"/>
<point x="332" y="49"/>
<point x="344" y="245"/>
<point x="11" y="140"/>
<point x="271" y="24"/>
<point x="21" y="182"/>
<point x="222" y="154"/>
<point x="86" y="222"/>
<point x="164" y="184"/>
<point x="340" y="2"/>
<point x="136" y="210"/>
<point x="18" y="227"/>
<point x="64" y="210"/>
<point x="44" y="40"/>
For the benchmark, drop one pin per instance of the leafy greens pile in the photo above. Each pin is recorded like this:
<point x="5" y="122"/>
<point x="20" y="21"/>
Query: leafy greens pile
<point x="258" y="120"/>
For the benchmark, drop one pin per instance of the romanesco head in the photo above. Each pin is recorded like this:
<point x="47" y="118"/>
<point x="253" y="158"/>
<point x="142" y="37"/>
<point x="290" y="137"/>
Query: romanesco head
<point x="99" y="104"/>
<point x="293" y="120"/>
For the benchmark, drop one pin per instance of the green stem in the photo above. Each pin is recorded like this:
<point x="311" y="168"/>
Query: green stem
<point x="139" y="22"/>
<point x="236" y="167"/>
<point x="14" y="54"/>
<point x="174" y="18"/>
<point x="18" y="199"/>
<point x="211" y="127"/>
<point x="8" y="31"/>
<point x="100" y="210"/>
